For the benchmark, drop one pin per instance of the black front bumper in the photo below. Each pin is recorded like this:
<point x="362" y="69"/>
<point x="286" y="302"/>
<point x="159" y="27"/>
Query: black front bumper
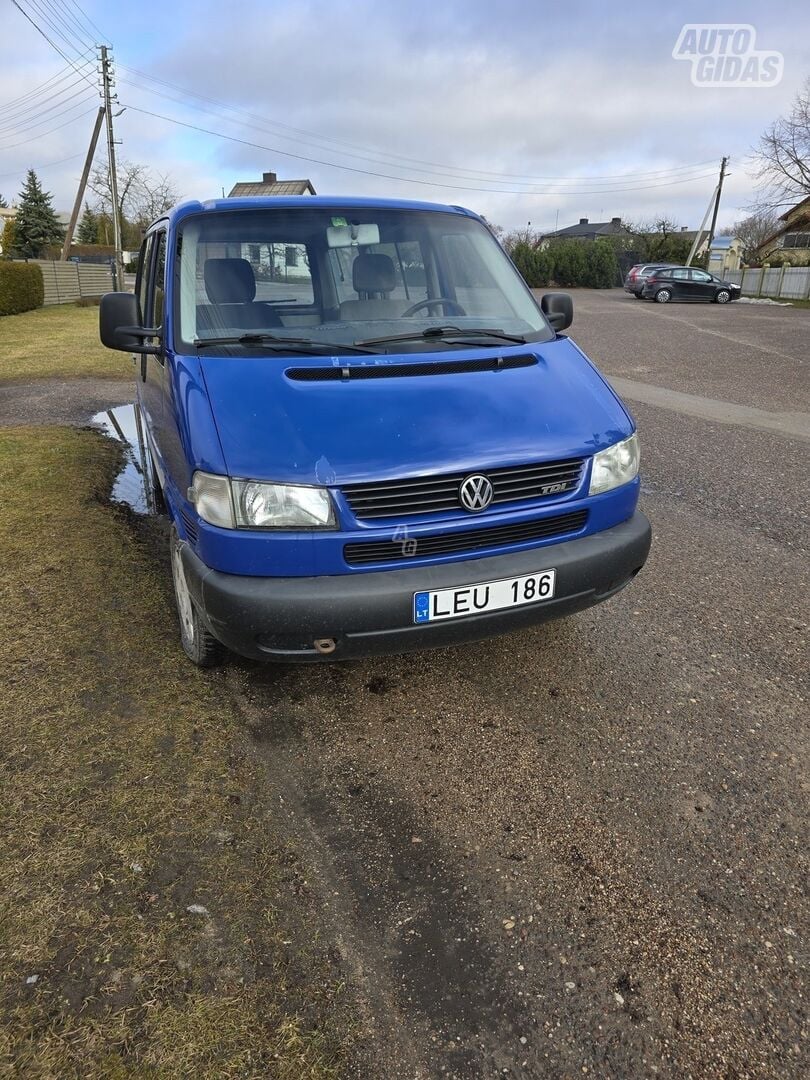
<point x="372" y="613"/>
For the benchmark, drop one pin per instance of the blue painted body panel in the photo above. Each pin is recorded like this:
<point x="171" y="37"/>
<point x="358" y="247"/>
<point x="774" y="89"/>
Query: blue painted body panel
<point x="242" y="416"/>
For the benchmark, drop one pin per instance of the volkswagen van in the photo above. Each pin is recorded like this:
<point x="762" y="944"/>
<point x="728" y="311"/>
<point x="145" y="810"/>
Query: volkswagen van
<point x="368" y="434"/>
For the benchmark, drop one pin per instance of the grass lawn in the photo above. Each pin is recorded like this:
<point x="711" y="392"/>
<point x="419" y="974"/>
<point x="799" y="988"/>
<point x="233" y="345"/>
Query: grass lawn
<point x="130" y="794"/>
<point x="57" y="342"/>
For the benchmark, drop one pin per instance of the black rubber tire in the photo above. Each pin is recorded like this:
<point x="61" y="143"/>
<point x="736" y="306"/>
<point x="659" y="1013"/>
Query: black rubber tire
<point x="663" y="296"/>
<point x="638" y="296"/>
<point x="725" y="294"/>
<point x="199" y="644"/>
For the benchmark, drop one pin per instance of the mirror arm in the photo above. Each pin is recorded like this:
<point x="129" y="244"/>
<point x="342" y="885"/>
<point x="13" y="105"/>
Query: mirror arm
<point x="143" y="332"/>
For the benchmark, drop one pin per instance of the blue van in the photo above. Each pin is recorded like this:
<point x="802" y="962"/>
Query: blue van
<point x="369" y="436"/>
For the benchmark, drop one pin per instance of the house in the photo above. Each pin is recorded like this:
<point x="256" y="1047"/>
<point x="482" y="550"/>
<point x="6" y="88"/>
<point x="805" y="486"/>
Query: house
<point x="588" y="230"/>
<point x="271" y="185"/>
<point x="793" y="236"/>
<point x="724" y="255"/>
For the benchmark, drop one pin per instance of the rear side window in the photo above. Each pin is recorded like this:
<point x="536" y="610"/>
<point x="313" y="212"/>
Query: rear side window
<point x="159" y="293"/>
<point x="679" y="275"/>
<point x="142" y="280"/>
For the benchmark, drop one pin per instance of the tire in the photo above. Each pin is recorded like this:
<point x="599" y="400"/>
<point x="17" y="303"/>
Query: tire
<point x="199" y="645"/>
<point x="663" y="296"/>
<point x="638" y="296"/>
<point x="722" y="296"/>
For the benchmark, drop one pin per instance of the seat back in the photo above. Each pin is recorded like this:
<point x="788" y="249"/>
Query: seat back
<point x="373" y="278"/>
<point x="230" y="285"/>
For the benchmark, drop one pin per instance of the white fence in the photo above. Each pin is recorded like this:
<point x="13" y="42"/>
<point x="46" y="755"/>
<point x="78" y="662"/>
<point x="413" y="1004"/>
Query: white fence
<point x="784" y="282"/>
<point x="67" y="281"/>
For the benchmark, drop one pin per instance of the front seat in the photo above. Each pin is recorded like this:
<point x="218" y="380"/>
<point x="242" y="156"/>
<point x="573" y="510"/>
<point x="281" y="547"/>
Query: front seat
<point x="230" y="285"/>
<point x="373" y="278"/>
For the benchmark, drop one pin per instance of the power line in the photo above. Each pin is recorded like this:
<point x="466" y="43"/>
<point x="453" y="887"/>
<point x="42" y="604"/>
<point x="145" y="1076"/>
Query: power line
<point x="53" y="44"/>
<point x="36" y="91"/>
<point x="20" y="122"/>
<point x="476" y="174"/>
<point x="41" y="168"/>
<point x="390" y="176"/>
<point x="42" y="134"/>
<point x="92" y="26"/>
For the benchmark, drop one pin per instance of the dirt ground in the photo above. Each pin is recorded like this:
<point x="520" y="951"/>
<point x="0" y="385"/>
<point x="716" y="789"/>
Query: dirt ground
<point x="579" y="850"/>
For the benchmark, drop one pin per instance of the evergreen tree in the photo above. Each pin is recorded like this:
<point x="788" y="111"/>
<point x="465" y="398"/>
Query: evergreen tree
<point x="87" y="232"/>
<point x="36" y="225"/>
<point x="3" y="203"/>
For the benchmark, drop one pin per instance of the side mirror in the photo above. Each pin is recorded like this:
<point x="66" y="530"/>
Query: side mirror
<point x="558" y="308"/>
<point x="119" y="320"/>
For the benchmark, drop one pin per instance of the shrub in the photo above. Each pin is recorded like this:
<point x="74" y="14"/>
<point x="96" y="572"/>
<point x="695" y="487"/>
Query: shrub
<point x="570" y="262"/>
<point x="21" y="287"/>
<point x="602" y="269"/>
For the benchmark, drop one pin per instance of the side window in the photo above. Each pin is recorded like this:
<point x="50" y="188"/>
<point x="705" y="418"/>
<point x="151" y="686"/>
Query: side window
<point x="142" y="280"/>
<point x="159" y="281"/>
<point x="680" y="275"/>
<point x="701" y="275"/>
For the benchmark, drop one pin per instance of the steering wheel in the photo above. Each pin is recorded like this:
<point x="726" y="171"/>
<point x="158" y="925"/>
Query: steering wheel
<point x="434" y="301"/>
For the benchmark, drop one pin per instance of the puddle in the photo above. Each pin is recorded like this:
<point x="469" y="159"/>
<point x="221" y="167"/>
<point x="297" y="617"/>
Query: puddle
<point x="134" y="485"/>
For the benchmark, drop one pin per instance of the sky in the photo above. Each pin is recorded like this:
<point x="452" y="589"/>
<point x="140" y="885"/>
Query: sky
<point x="522" y="110"/>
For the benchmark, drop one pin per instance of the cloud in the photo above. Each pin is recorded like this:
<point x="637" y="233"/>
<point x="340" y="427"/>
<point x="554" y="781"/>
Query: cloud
<point x="467" y="89"/>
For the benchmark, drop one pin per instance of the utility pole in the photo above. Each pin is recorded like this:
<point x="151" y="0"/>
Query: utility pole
<point x="106" y="80"/>
<point x="74" y="217"/>
<point x="723" y="165"/>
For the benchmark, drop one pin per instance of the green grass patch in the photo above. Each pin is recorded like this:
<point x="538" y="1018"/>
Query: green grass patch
<point x="58" y="342"/>
<point x="131" y="792"/>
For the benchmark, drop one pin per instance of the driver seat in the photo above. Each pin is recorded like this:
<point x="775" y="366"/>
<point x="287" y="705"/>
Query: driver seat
<point x="373" y="279"/>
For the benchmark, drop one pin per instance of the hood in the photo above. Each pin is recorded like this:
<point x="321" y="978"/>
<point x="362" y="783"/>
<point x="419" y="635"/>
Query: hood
<point x="272" y="427"/>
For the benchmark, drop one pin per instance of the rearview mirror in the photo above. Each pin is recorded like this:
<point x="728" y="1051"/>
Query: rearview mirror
<point x="119" y="324"/>
<point x="352" y="235"/>
<point x="558" y="308"/>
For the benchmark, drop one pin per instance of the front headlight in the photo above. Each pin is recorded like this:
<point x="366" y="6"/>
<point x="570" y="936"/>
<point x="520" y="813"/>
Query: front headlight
<point x="616" y="465"/>
<point x="282" y="506"/>
<point x="251" y="504"/>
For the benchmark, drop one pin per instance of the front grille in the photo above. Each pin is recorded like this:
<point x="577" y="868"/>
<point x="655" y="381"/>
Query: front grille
<point x="476" y="540"/>
<point x="431" y="494"/>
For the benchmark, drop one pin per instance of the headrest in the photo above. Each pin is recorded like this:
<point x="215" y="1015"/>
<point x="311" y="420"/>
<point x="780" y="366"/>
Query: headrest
<point x="229" y="281"/>
<point x="373" y="273"/>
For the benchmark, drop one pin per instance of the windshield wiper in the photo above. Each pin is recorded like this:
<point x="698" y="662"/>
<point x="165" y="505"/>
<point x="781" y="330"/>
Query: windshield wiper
<point x="446" y="332"/>
<point x="299" y="344"/>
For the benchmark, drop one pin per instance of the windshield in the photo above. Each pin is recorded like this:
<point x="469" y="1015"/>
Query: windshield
<point x="335" y="278"/>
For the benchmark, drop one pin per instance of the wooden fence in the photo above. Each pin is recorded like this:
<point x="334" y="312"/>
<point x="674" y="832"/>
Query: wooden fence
<point x="68" y="281"/>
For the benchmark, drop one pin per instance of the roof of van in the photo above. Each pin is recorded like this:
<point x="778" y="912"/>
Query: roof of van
<point x="281" y="202"/>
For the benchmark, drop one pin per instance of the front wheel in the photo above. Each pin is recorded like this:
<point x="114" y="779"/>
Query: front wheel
<point x="199" y="645"/>
<point x="663" y="296"/>
<point x="722" y="296"/>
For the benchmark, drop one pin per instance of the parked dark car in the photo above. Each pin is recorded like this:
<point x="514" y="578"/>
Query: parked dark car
<point x="638" y="274"/>
<point x="687" y="283"/>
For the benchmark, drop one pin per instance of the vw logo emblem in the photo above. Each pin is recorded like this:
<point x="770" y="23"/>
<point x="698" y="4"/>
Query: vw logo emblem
<point x="475" y="493"/>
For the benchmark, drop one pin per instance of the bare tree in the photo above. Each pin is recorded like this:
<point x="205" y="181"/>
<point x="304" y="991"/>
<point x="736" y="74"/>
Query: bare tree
<point x="753" y="232"/>
<point x="783" y="156"/>
<point x="143" y="194"/>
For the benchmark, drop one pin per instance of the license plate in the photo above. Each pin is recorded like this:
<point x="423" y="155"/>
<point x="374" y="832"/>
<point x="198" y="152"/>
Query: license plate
<point x="484" y="596"/>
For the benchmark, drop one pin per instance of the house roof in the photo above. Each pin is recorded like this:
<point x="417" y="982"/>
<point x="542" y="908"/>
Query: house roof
<point x="591" y="228"/>
<point x="799" y="210"/>
<point x="271" y="185"/>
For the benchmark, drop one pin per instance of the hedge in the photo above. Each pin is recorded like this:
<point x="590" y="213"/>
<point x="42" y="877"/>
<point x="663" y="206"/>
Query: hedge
<point x="568" y="263"/>
<point x="21" y="287"/>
